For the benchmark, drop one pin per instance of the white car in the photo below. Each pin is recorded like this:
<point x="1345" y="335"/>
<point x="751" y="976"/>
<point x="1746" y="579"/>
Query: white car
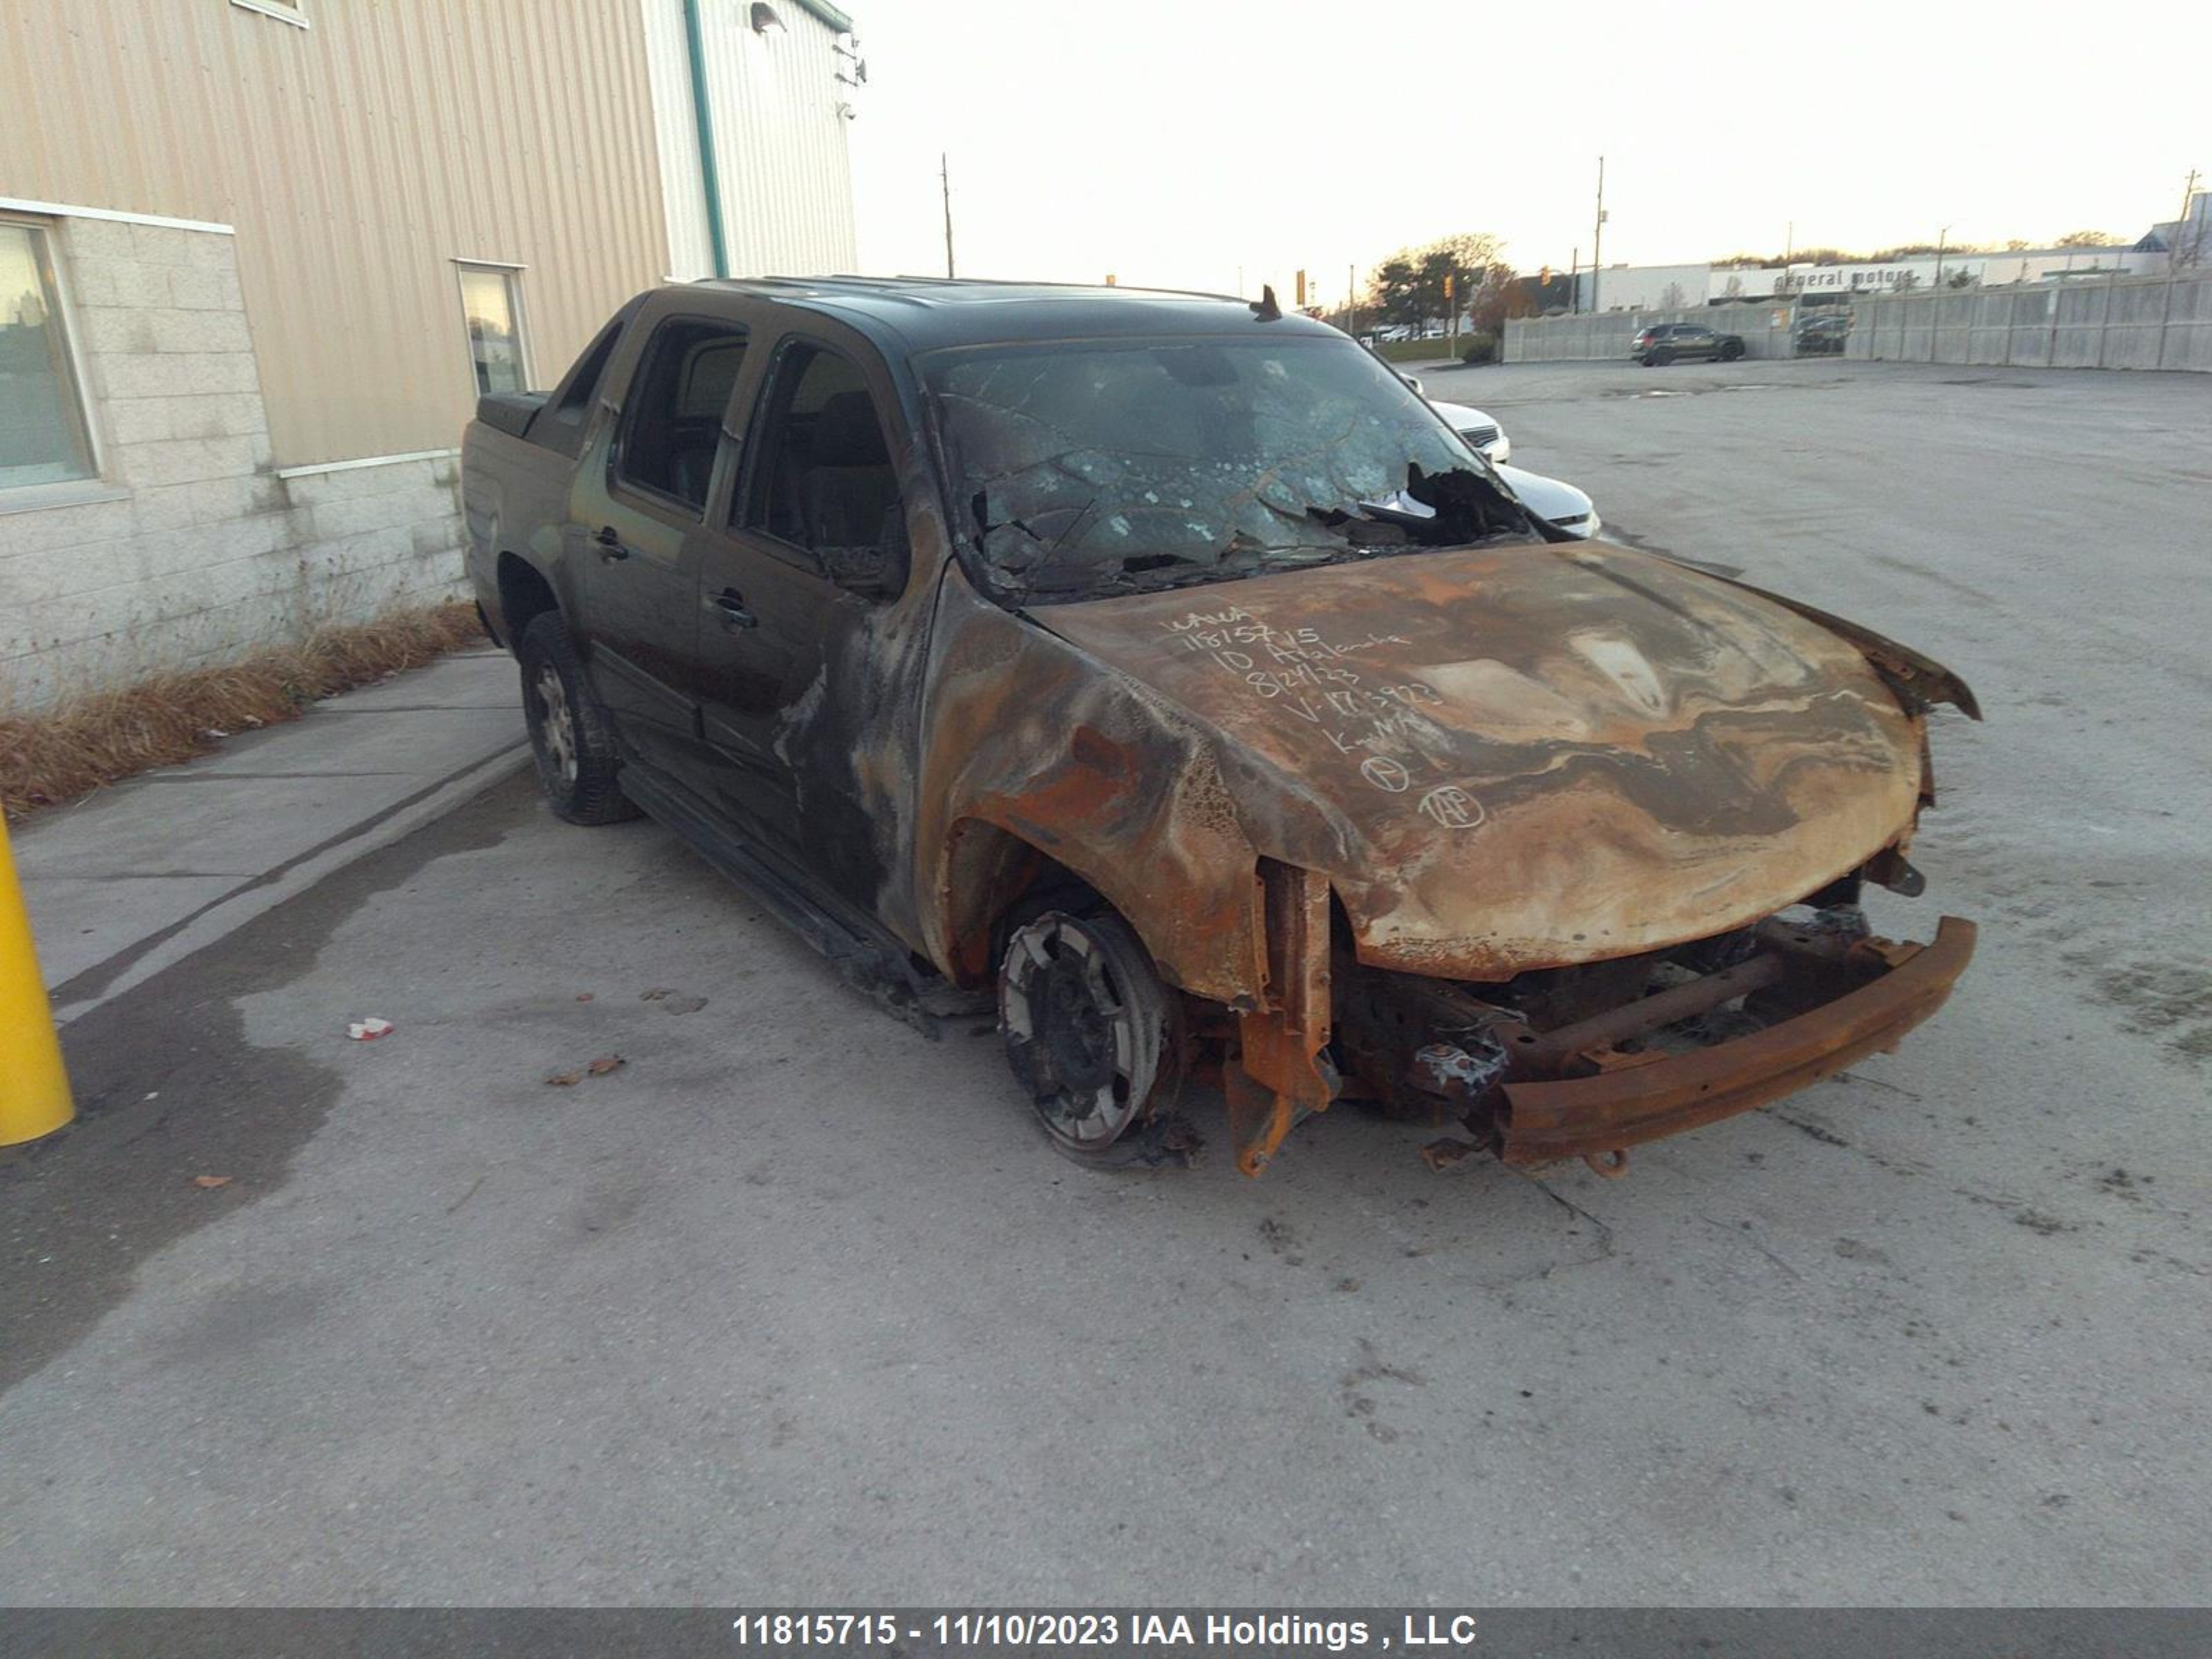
<point x="1567" y="507"/>
<point x="1563" y="505"/>
<point x="1477" y="427"/>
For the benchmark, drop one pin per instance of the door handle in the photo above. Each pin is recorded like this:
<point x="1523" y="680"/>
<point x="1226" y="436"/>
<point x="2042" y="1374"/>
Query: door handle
<point x="608" y="542"/>
<point x="730" y="605"/>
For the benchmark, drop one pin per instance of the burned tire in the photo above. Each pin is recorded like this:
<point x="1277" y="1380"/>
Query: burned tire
<point x="1087" y="1024"/>
<point x="569" y="734"/>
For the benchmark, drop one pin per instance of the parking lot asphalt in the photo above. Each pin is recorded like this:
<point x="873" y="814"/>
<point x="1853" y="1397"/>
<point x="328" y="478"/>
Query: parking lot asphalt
<point x="793" y="1307"/>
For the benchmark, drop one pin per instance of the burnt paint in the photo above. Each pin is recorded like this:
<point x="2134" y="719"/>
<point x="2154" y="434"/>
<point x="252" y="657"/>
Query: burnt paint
<point x="1509" y="759"/>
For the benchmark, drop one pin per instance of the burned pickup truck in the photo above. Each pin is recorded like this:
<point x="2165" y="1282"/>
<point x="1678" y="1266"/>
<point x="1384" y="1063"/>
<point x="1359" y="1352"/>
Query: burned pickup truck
<point x="1164" y="666"/>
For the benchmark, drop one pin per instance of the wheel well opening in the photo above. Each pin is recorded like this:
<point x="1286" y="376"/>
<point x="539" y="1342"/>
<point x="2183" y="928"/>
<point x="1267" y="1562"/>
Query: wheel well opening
<point x="993" y="876"/>
<point x="524" y="595"/>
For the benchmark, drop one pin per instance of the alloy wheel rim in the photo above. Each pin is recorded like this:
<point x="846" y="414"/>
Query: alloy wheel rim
<point x="1083" y="1033"/>
<point x="557" y="727"/>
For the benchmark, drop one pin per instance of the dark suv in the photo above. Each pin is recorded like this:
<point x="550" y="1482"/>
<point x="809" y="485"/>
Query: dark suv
<point x="1669" y="342"/>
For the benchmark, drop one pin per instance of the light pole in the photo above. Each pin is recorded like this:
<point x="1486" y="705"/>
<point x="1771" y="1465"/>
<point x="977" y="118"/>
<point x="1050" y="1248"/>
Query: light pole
<point x="1597" y="239"/>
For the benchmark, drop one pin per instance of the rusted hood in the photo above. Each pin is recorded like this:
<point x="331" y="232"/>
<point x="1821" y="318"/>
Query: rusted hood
<point x="1515" y="757"/>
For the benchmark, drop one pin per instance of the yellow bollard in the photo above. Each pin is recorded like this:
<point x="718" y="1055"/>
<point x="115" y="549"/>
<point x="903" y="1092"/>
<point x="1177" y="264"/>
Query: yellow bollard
<point x="34" y="1091"/>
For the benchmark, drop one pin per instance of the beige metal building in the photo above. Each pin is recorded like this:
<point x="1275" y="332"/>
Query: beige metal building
<point x="258" y="258"/>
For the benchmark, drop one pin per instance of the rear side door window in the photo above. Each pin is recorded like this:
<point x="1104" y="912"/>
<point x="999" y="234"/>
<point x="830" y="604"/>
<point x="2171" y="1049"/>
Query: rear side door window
<point x="671" y="427"/>
<point x="564" y="420"/>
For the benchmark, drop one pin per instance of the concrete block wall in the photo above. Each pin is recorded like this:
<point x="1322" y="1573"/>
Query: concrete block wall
<point x="192" y="546"/>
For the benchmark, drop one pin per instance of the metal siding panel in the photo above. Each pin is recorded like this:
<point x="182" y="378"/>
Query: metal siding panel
<point x="357" y="158"/>
<point x="690" y="252"/>
<point x="782" y="149"/>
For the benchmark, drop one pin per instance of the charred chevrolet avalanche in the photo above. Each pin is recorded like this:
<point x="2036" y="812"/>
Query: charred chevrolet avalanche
<point x="1163" y="666"/>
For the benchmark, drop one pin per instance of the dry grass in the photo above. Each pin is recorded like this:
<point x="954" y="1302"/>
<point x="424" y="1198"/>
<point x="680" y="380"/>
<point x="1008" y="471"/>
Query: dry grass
<point x="59" y="753"/>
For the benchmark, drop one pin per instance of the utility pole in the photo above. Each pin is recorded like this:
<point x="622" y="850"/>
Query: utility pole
<point x="1789" y="243"/>
<point x="2181" y="228"/>
<point x="945" y="178"/>
<point x="2173" y="266"/>
<point x="1597" y="239"/>
<point x="1942" y="237"/>
<point x="1351" y="298"/>
<point x="1574" y="282"/>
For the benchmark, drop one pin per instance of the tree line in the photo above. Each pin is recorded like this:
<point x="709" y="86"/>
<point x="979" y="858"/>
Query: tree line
<point x="1410" y="287"/>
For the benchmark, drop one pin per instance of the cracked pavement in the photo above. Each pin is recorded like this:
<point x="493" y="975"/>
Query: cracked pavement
<point x="793" y="1307"/>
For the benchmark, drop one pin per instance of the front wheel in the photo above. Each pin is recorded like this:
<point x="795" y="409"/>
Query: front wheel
<point x="568" y="735"/>
<point x="1086" y="1024"/>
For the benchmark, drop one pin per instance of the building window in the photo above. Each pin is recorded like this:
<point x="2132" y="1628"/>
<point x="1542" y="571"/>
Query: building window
<point x="491" y="312"/>
<point x="44" y="438"/>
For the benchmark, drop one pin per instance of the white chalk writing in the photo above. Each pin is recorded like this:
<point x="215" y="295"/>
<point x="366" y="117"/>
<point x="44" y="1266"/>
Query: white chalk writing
<point x="1301" y="671"/>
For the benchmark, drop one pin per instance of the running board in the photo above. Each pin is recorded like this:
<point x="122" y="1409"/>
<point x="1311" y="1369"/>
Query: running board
<point x="866" y="956"/>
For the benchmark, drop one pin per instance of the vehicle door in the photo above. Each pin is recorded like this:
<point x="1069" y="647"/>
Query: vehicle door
<point x="1690" y="341"/>
<point x="813" y="545"/>
<point x="638" y="499"/>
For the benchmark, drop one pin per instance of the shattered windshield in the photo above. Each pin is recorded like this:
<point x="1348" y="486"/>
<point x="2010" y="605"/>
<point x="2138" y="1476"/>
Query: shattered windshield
<point x="1090" y="467"/>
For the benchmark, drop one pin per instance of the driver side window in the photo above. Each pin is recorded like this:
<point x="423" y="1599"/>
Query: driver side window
<point x="674" y="421"/>
<point x="821" y="478"/>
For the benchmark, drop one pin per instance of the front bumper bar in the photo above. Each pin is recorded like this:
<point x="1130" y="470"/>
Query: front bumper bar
<point x="1594" y="1116"/>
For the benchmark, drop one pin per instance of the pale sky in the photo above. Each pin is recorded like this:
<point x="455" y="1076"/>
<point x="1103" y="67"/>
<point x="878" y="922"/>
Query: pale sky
<point x="1171" y="144"/>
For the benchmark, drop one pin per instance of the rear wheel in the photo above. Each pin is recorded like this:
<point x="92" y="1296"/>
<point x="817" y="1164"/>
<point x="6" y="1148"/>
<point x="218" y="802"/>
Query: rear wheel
<point x="1730" y="352"/>
<point x="576" y="760"/>
<point x="1086" y="1024"/>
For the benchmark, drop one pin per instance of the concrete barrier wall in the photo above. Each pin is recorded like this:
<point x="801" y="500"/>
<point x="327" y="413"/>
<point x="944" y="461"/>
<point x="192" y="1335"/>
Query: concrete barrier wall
<point x="2127" y="322"/>
<point x="1765" y="328"/>
<point x="2133" y="322"/>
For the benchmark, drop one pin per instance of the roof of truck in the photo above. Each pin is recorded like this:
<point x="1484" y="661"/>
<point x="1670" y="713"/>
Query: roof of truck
<point x="929" y="312"/>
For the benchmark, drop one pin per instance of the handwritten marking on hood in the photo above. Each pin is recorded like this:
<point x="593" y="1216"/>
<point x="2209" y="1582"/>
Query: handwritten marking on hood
<point x="1386" y="773"/>
<point x="1301" y="671"/>
<point x="1453" y="807"/>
